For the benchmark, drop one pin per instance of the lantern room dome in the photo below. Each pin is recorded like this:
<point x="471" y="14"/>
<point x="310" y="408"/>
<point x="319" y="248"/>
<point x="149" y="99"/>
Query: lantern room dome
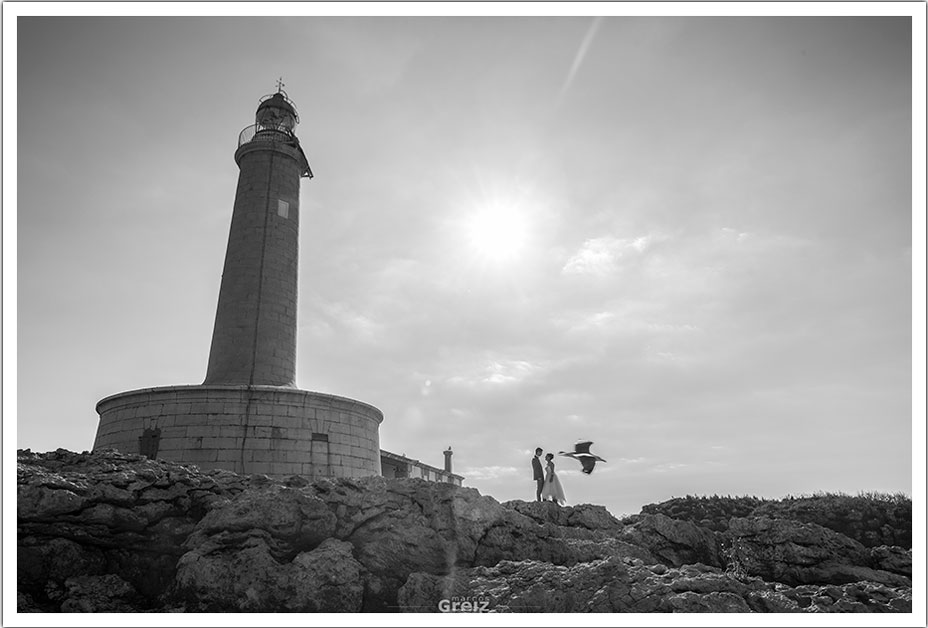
<point x="276" y="112"/>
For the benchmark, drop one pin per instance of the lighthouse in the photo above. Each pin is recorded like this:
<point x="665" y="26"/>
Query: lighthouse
<point x="248" y="415"/>
<point x="254" y="337"/>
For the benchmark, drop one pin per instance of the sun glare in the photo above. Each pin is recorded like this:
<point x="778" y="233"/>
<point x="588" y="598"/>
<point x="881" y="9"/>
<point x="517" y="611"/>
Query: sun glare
<point x="497" y="233"/>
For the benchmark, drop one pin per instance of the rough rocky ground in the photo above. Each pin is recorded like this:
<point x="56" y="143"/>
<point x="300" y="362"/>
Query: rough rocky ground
<point x="107" y="532"/>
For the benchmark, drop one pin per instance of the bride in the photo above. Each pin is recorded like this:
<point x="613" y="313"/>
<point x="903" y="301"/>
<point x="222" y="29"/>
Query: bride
<point x="552" y="487"/>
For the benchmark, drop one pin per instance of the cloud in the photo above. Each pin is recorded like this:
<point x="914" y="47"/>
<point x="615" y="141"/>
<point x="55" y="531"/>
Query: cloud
<point x="596" y="257"/>
<point x="600" y="256"/>
<point x="510" y="372"/>
<point x="341" y="320"/>
<point x="496" y="372"/>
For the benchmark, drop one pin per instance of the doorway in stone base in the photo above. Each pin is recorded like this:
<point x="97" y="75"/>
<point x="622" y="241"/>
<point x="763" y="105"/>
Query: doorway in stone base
<point x="149" y="441"/>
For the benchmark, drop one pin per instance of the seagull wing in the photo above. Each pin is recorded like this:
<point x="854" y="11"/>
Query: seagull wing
<point x="582" y="446"/>
<point x="588" y="464"/>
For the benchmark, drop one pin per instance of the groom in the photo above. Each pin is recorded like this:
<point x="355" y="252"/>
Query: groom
<point x="539" y="473"/>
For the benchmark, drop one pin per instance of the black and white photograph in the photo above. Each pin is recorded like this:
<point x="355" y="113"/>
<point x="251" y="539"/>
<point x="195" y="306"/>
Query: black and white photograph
<point x="336" y="312"/>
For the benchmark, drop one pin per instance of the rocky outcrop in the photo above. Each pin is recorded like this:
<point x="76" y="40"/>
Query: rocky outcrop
<point x="95" y="514"/>
<point x="583" y="517"/>
<point x="892" y="559"/>
<point x="804" y="553"/>
<point x="268" y="550"/>
<point x="106" y="532"/>
<point x="397" y="527"/>
<point x="672" y="541"/>
<point x="221" y="576"/>
<point x="617" y="585"/>
<point x="870" y="519"/>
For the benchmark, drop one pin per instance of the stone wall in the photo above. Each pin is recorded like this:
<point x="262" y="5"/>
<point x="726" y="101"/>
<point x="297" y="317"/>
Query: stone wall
<point x="270" y="430"/>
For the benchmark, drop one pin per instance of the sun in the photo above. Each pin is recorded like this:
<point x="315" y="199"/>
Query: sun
<point x="497" y="233"/>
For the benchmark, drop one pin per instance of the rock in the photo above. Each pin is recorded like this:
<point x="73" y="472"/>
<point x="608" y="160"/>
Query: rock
<point x="25" y="604"/>
<point x="329" y="579"/>
<point x="150" y="574"/>
<point x="114" y="517"/>
<point x="797" y="553"/>
<point x="99" y="594"/>
<point x="869" y="521"/>
<point x="672" y="541"/>
<point x="586" y="550"/>
<point x="267" y="549"/>
<point x="395" y="528"/>
<point x="516" y="537"/>
<point x="606" y="586"/>
<point x="894" y="559"/>
<point x="399" y="527"/>
<point x="767" y="601"/>
<point x="56" y="559"/>
<point x="526" y="586"/>
<point x="872" y="519"/>
<point x="860" y="597"/>
<point x="85" y="514"/>
<point x="586" y="516"/>
<point x="690" y="602"/>
<point x="249" y="578"/>
<point x="301" y="520"/>
<point x="106" y="532"/>
<point x="43" y="502"/>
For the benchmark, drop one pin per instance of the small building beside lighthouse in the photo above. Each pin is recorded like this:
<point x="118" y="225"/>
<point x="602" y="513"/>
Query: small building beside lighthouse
<point x="248" y="416"/>
<point x="399" y="466"/>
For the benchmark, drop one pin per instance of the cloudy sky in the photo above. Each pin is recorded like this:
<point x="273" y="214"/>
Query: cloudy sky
<point x="688" y="240"/>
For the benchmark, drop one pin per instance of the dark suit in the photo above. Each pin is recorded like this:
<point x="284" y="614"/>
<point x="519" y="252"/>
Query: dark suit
<point x="539" y="476"/>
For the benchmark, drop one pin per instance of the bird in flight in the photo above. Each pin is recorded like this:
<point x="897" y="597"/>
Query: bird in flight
<point x="582" y="453"/>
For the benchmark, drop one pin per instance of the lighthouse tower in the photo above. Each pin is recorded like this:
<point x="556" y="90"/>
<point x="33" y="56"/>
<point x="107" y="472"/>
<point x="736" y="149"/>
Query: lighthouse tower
<point x="254" y="338"/>
<point x="248" y="415"/>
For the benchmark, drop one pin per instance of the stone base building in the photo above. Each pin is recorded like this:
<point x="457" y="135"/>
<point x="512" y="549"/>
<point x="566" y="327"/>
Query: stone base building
<point x="247" y="429"/>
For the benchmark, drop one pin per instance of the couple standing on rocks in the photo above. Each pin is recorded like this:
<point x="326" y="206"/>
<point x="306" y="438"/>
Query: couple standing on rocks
<point x="548" y="484"/>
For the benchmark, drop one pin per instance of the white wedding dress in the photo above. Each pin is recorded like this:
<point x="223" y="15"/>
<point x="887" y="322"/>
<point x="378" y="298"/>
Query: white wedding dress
<point x="552" y="486"/>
